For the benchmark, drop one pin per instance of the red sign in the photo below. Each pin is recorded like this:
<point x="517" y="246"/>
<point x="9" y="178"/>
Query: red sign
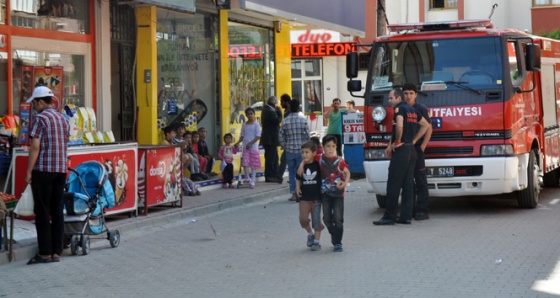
<point x="309" y="37"/>
<point x="245" y="51"/>
<point x="119" y="163"/>
<point x="160" y="174"/>
<point x="322" y="49"/>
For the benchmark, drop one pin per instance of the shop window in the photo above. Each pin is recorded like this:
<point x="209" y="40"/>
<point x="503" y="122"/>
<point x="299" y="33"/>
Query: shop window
<point x="251" y="71"/>
<point x="307" y="84"/>
<point x="186" y="81"/>
<point x="2" y="11"/>
<point x="62" y="73"/>
<point x="546" y="2"/>
<point x="443" y="4"/>
<point x="68" y="16"/>
<point x="363" y="61"/>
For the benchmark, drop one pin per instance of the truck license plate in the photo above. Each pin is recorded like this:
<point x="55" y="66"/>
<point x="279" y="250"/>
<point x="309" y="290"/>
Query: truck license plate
<point x="440" y="171"/>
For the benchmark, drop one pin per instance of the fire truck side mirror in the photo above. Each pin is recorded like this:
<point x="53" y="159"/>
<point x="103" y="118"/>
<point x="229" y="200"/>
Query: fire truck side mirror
<point x="354" y="85"/>
<point x="352" y="65"/>
<point x="533" y="57"/>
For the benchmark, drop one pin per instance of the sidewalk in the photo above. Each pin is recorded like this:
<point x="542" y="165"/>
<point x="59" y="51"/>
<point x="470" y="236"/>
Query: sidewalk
<point x="212" y="199"/>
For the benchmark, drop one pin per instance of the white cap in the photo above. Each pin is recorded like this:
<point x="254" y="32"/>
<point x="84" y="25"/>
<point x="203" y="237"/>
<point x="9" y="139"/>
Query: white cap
<point x="39" y="92"/>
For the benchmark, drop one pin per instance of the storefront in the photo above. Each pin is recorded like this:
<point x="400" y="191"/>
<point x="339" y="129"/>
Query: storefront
<point x="319" y="72"/>
<point x="46" y="45"/>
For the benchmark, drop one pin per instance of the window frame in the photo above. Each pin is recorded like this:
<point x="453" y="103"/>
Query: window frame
<point x="445" y="6"/>
<point x="535" y="4"/>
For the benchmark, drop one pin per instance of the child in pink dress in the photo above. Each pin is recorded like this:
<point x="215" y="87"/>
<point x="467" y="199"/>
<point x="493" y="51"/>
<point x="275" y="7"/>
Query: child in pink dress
<point x="226" y="153"/>
<point x="250" y="135"/>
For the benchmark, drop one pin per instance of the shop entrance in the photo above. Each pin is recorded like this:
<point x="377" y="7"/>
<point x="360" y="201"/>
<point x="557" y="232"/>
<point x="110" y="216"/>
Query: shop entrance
<point x="123" y="47"/>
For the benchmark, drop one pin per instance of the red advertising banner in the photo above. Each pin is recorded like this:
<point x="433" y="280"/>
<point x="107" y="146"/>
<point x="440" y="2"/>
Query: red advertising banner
<point x="160" y="174"/>
<point x="51" y="77"/>
<point x="119" y="161"/>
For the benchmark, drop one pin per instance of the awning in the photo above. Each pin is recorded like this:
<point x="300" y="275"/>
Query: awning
<point x="179" y="5"/>
<point x="345" y="16"/>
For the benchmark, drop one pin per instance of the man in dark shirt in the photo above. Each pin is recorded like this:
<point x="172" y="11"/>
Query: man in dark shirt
<point x="270" y="120"/>
<point x="405" y="134"/>
<point x="420" y="200"/>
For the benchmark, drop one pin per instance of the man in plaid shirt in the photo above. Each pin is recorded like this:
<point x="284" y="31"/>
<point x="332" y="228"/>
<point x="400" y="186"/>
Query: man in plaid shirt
<point x="293" y="132"/>
<point x="46" y="172"/>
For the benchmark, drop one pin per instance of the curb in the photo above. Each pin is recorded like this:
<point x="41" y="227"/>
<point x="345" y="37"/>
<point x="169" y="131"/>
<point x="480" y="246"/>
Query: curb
<point x="28" y="248"/>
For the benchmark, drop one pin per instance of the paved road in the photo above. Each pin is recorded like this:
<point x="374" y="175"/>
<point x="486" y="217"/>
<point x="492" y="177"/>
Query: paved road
<point x="469" y="248"/>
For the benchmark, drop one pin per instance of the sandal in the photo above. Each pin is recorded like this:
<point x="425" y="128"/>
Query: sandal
<point x="37" y="259"/>
<point x="55" y="258"/>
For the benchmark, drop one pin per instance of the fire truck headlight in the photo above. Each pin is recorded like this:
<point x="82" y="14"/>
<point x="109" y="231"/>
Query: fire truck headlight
<point x="374" y="153"/>
<point x="378" y="114"/>
<point x="496" y="150"/>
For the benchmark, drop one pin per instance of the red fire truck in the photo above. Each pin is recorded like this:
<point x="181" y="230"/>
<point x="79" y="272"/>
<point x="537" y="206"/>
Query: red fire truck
<point x="494" y="99"/>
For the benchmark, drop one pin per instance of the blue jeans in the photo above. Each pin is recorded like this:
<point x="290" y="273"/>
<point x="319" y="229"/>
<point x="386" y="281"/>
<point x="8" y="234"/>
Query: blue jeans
<point x="333" y="217"/>
<point x="293" y="160"/>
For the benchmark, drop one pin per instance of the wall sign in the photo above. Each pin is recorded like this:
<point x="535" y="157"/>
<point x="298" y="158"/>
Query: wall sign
<point x="322" y="49"/>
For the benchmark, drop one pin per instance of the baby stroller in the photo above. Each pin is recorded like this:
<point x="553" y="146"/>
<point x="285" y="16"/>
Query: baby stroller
<point x="240" y="180"/>
<point x="88" y="194"/>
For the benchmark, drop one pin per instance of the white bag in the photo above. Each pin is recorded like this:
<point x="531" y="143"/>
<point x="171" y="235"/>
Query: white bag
<point x="25" y="204"/>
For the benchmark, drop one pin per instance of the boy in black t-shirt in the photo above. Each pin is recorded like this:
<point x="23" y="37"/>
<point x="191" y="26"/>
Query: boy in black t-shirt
<point x="308" y="187"/>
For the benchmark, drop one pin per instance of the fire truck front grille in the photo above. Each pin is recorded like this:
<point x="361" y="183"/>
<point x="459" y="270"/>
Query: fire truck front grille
<point x="450" y="150"/>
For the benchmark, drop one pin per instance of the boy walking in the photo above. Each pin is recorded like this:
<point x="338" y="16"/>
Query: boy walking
<point x="308" y="187"/>
<point x="335" y="176"/>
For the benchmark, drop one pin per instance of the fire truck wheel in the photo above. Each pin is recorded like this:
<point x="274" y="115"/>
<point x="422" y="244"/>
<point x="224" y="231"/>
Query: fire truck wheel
<point x="551" y="179"/>
<point x="381" y="201"/>
<point x="529" y="197"/>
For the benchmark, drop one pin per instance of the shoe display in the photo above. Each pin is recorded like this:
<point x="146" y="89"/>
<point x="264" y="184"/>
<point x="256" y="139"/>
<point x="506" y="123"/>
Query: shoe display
<point x="310" y="239"/>
<point x="338" y="248"/>
<point x="384" y="222"/>
<point x="317" y="247"/>
<point x="421" y="216"/>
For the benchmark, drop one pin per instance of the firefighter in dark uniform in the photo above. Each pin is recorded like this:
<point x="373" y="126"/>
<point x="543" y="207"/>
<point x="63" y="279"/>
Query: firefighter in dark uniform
<point x="403" y="159"/>
<point x="420" y="200"/>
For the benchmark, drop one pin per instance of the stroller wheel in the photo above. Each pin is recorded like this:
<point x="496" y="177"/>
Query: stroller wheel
<point x="114" y="238"/>
<point x="85" y="245"/>
<point x="74" y="245"/>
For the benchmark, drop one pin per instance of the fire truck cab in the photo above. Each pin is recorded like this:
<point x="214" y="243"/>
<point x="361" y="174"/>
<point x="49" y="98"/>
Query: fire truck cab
<point x="494" y="100"/>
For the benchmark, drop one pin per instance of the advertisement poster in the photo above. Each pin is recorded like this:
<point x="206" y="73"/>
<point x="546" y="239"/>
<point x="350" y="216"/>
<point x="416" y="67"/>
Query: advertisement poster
<point x="353" y="128"/>
<point x="51" y="77"/>
<point x="25" y="116"/>
<point x="119" y="161"/>
<point x="159" y="175"/>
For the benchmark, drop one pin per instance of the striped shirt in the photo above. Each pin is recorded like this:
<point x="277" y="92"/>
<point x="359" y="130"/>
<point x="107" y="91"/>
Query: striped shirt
<point x="293" y="133"/>
<point x="52" y="129"/>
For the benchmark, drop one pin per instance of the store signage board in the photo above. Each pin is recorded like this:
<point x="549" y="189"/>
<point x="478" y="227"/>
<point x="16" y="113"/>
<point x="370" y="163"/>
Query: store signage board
<point x="179" y="5"/>
<point x="353" y="128"/>
<point x="245" y="51"/>
<point x="314" y="36"/>
<point x="322" y="49"/>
